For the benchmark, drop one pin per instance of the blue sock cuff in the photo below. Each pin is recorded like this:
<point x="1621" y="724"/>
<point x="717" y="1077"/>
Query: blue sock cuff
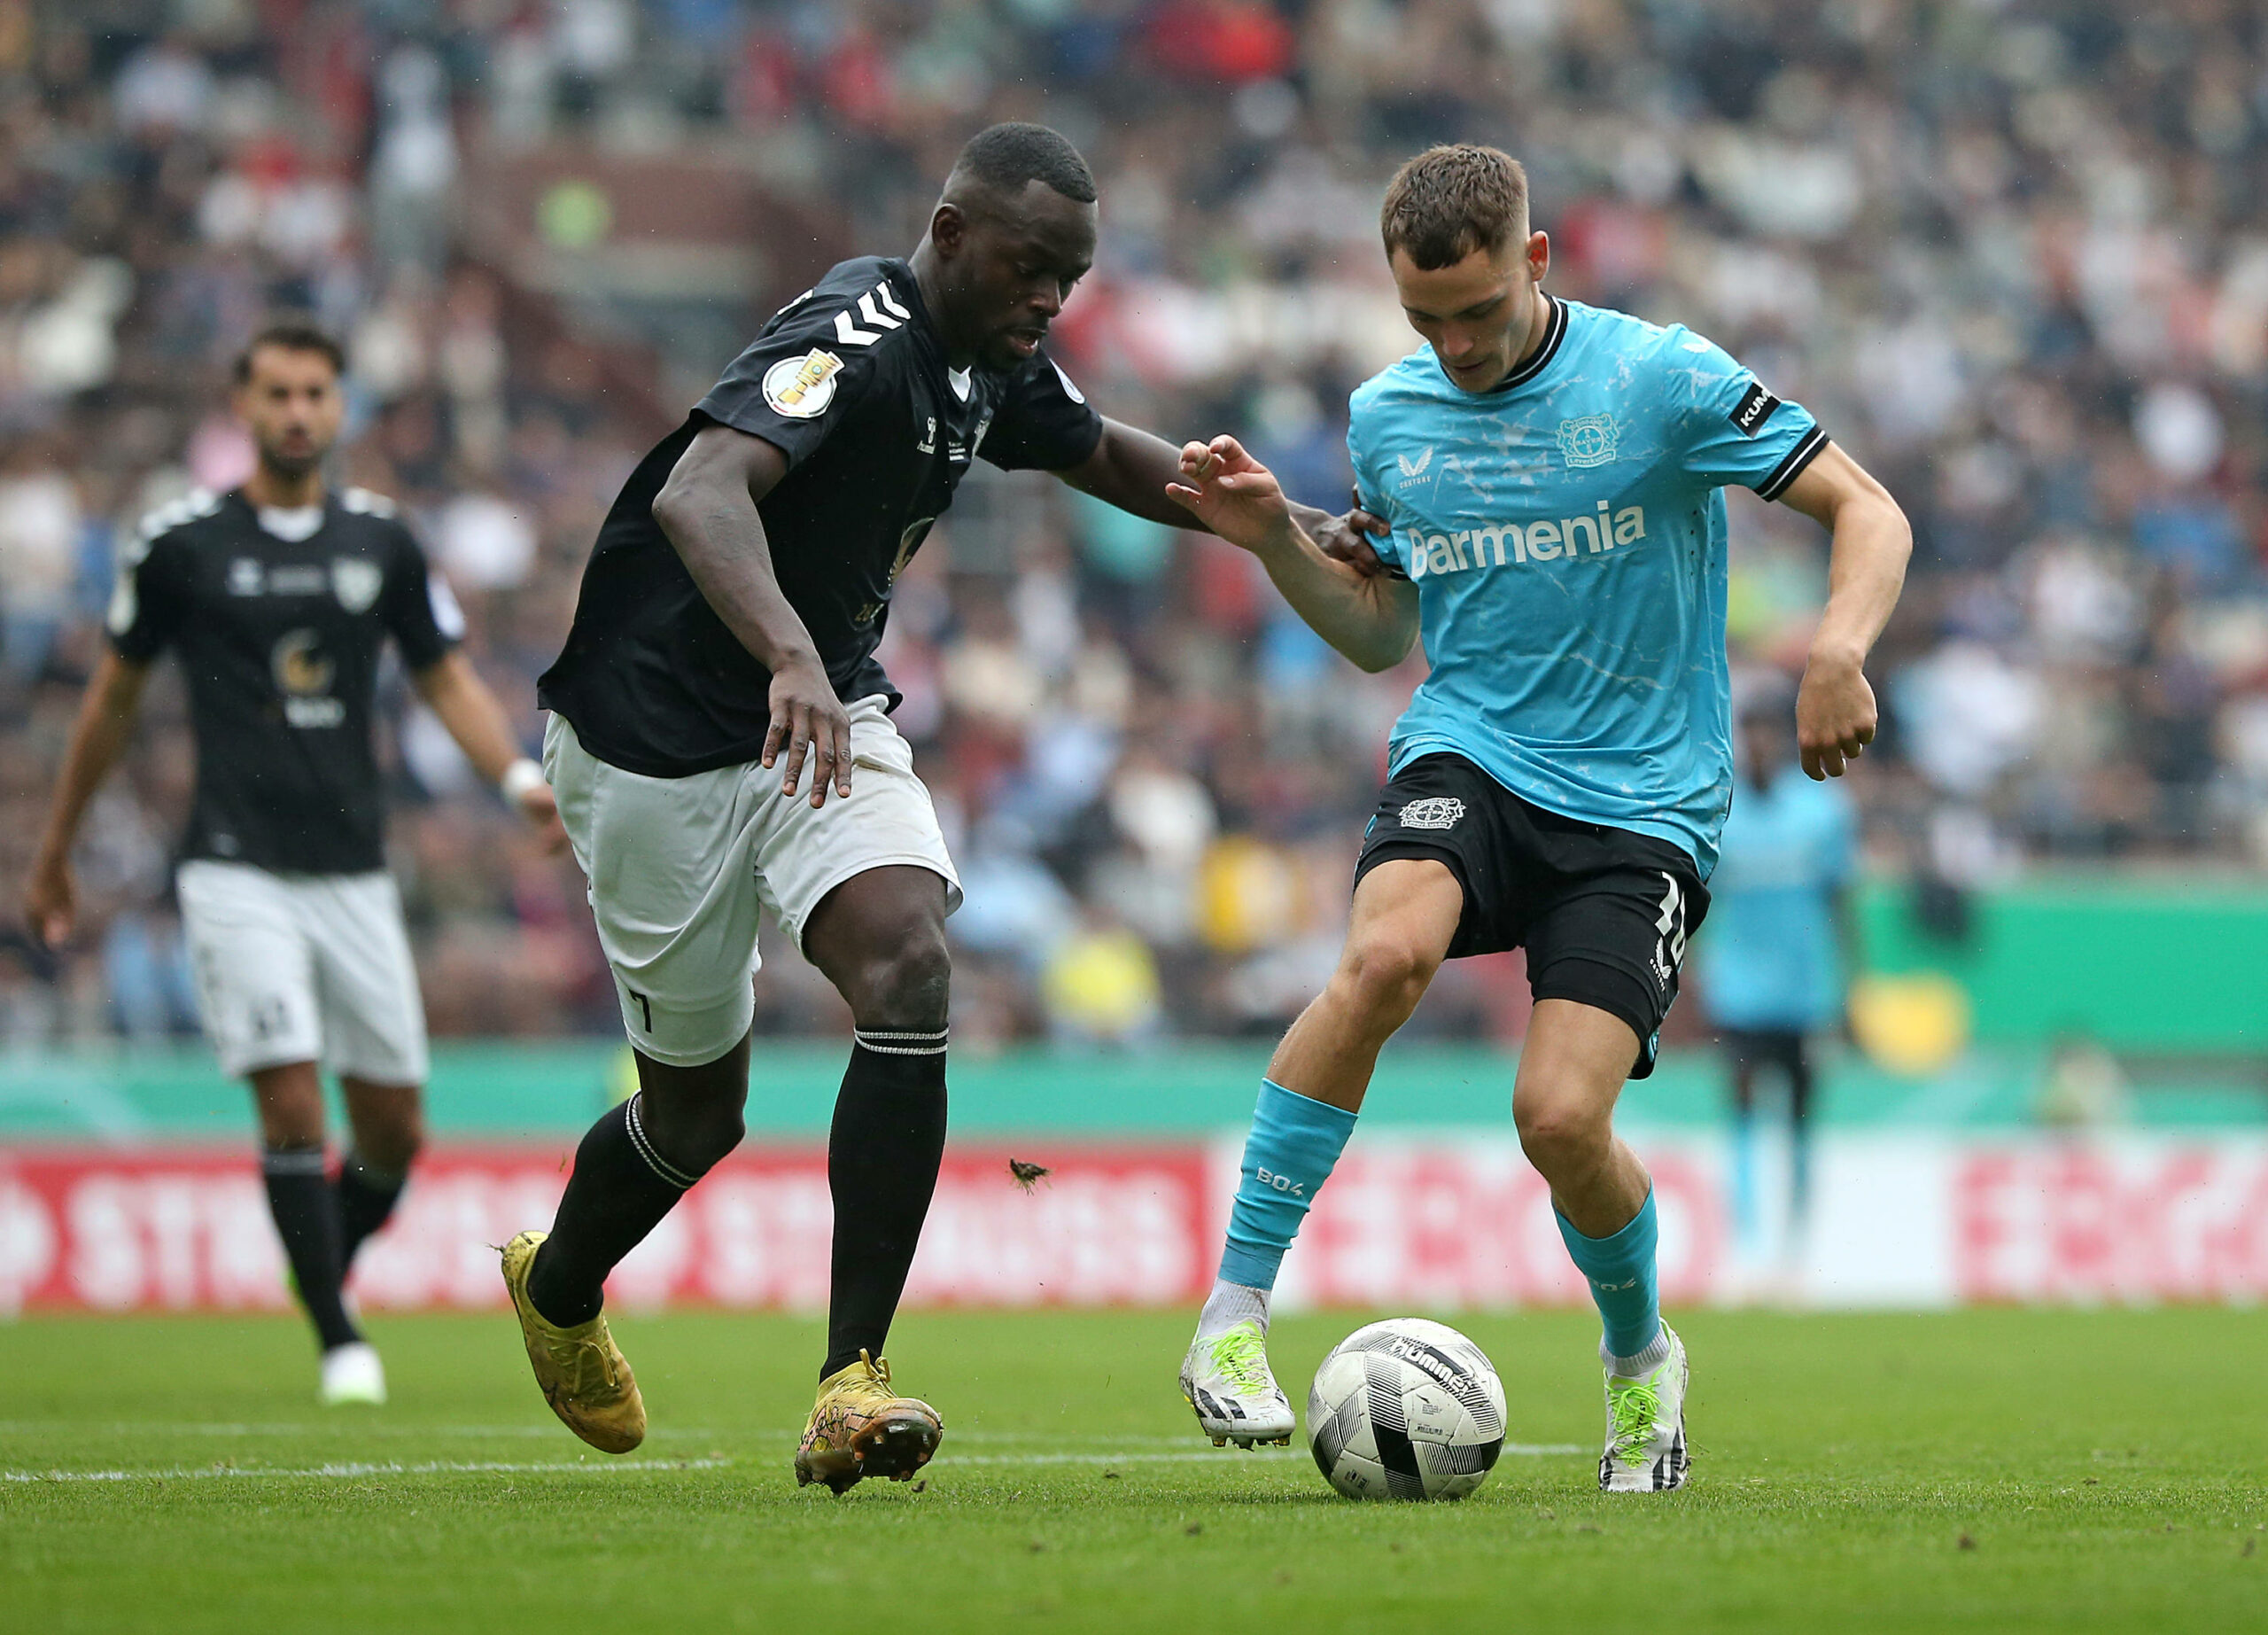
<point x="1290" y="1110"/>
<point x="1617" y="1250"/>
<point x="1620" y="1270"/>
<point x="1250" y="1266"/>
<point x="1295" y="1141"/>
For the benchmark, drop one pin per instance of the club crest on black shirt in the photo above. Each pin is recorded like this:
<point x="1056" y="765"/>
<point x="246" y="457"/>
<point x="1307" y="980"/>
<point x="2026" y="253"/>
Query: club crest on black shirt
<point x="279" y="640"/>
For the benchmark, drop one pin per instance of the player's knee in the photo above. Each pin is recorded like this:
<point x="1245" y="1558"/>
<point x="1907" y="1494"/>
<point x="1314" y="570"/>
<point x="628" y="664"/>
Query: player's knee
<point x="905" y="985"/>
<point x="1562" y="1134"/>
<point x="393" y="1144"/>
<point x="718" y="1134"/>
<point x="290" y="1100"/>
<point x="694" y="1135"/>
<point x="1383" y="977"/>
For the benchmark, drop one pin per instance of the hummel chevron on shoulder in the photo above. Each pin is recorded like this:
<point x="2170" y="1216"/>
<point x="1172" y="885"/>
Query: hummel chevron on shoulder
<point x="890" y="315"/>
<point x="196" y="503"/>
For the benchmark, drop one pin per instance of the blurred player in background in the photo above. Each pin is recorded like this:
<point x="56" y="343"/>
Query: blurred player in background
<point x="1551" y="474"/>
<point x="719" y="688"/>
<point x="279" y="597"/>
<point x="1778" y="956"/>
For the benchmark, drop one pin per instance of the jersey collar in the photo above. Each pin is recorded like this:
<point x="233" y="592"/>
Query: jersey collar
<point x="260" y="516"/>
<point x="960" y="382"/>
<point x="1555" y="330"/>
<point x="900" y="274"/>
<point x="296" y="524"/>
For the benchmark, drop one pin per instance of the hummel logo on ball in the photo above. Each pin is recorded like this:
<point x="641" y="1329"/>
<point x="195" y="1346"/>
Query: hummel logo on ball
<point x="1434" y="812"/>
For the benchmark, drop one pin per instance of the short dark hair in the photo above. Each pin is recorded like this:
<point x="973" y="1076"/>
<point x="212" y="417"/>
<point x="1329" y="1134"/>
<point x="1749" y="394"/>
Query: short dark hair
<point x="293" y="335"/>
<point x="1003" y="158"/>
<point x="1449" y="201"/>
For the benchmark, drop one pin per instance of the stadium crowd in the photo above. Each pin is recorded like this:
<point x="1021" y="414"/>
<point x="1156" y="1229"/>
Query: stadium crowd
<point x="2014" y="255"/>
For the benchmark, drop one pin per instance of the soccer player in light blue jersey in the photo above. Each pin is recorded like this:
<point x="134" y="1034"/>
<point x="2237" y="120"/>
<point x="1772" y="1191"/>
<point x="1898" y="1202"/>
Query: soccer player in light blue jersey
<point x="1778" y="958"/>
<point x="1547" y="479"/>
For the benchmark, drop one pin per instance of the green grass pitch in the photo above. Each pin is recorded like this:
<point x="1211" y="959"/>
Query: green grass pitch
<point x="1987" y="1471"/>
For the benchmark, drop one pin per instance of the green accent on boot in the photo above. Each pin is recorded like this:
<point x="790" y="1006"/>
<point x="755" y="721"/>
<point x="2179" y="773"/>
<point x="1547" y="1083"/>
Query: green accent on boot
<point x="1240" y="1352"/>
<point x="1633" y="1406"/>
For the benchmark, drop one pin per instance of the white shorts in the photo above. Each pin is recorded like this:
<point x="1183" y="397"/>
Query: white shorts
<point x="304" y="968"/>
<point x="683" y="869"/>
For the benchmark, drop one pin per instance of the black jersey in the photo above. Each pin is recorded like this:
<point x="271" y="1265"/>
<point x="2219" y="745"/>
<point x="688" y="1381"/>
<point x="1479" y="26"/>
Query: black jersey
<point x="280" y="640"/>
<point x="849" y="382"/>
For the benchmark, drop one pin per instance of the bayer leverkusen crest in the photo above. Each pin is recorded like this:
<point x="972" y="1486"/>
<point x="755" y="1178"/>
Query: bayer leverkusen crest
<point x="1589" y="439"/>
<point x="1434" y="812"/>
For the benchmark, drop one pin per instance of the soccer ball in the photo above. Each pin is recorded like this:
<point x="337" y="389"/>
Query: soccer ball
<point x="1406" y="1409"/>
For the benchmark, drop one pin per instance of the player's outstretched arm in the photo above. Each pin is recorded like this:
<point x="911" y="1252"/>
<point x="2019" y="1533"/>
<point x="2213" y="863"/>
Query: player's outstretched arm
<point x="455" y="692"/>
<point x="1130" y="468"/>
<point x="1370" y="619"/>
<point x="1836" y="715"/>
<point x="708" y="509"/>
<point x="97" y="739"/>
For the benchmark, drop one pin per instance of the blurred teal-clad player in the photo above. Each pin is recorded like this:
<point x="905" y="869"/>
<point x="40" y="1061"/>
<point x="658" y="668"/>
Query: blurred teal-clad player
<point x="1779" y="954"/>
<point x="1546" y="481"/>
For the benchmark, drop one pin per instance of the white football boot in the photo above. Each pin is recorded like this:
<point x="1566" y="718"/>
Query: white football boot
<point x="1645" y="1427"/>
<point x="1227" y="1381"/>
<point x="352" y="1373"/>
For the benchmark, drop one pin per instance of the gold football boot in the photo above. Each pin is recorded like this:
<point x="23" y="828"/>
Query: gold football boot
<point x="585" y="1377"/>
<point x="859" y="1428"/>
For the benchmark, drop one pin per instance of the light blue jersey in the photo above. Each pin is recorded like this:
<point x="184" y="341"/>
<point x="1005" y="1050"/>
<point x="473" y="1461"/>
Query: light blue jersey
<point x="1769" y="951"/>
<point x="1567" y="539"/>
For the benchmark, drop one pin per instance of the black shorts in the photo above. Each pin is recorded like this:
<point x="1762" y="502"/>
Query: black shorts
<point x="1603" y="913"/>
<point x="1787" y="1049"/>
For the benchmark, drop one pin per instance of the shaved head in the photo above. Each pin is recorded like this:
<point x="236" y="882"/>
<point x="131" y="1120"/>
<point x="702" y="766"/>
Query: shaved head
<point x="998" y="166"/>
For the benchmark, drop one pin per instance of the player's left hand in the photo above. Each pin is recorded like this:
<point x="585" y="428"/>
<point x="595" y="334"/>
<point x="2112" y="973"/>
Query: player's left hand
<point x="540" y="808"/>
<point x="1232" y="493"/>
<point x="1835" y="717"/>
<point x="1347" y="539"/>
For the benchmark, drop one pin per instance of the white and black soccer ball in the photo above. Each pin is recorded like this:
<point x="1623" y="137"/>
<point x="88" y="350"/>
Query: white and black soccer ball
<point x="1406" y="1409"/>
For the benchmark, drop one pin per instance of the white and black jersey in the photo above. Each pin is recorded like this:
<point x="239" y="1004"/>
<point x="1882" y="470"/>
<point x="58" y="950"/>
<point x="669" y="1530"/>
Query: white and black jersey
<point x="279" y="627"/>
<point x="850" y="383"/>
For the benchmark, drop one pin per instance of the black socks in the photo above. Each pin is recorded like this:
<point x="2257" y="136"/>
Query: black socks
<point x="621" y="1187"/>
<point x="882" y="1154"/>
<point x="366" y="1198"/>
<point x="307" y="1219"/>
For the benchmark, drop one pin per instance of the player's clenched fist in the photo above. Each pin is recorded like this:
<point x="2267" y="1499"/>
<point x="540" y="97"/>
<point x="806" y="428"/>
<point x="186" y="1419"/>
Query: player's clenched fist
<point x="1232" y="493"/>
<point x="1835" y="717"/>
<point x="51" y="901"/>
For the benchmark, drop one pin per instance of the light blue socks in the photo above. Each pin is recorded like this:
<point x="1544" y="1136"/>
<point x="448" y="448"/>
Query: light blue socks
<point x="1620" y="1270"/>
<point x="1748" y="1219"/>
<point x="1296" y="1142"/>
<point x="1289" y="1154"/>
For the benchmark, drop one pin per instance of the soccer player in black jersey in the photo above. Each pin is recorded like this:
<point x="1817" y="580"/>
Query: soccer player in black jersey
<point x="278" y="597"/>
<point x="721" y="744"/>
